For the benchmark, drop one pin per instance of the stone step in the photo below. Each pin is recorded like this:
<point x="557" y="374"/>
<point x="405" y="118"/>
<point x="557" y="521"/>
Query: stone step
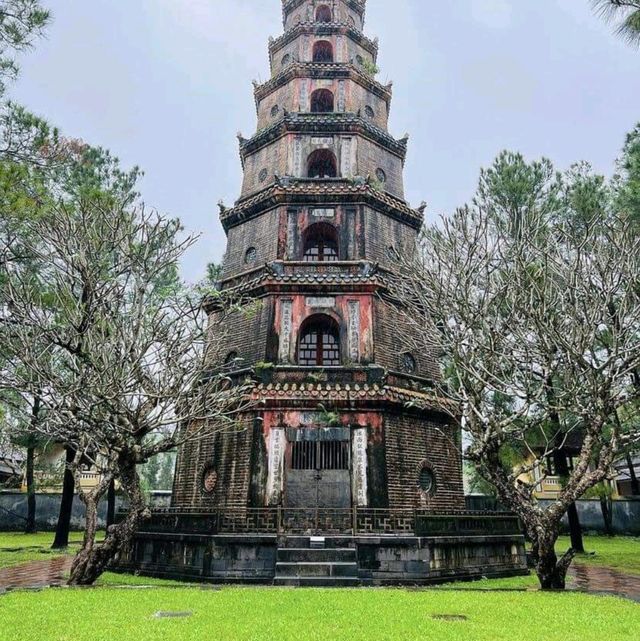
<point x="326" y="555"/>
<point x="317" y="582"/>
<point x="304" y="542"/>
<point x="319" y="570"/>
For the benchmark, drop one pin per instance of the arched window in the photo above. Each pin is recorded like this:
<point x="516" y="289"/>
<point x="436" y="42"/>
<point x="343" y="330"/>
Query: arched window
<point x="323" y="13"/>
<point x="322" y="51"/>
<point x="319" y="344"/>
<point x="320" y="243"/>
<point x="322" y="163"/>
<point x="321" y="101"/>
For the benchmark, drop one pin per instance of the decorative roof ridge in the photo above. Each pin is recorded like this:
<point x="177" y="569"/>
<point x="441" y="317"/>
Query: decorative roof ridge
<point x="292" y="118"/>
<point x="307" y="26"/>
<point x="357" y="184"/>
<point x="296" y="70"/>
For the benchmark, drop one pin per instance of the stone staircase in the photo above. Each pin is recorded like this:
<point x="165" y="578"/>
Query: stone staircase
<point x="307" y="562"/>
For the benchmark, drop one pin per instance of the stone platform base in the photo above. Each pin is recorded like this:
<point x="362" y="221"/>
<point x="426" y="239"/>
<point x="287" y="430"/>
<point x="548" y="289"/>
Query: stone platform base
<point x="341" y="561"/>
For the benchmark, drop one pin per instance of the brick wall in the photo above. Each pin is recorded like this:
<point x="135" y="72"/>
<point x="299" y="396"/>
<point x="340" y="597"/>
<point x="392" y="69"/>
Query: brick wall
<point x="411" y="442"/>
<point x="382" y="233"/>
<point x="292" y="98"/>
<point x="229" y="454"/>
<point x="390" y="343"/>
<point x="260" y="233"/>
<point x="245" y="332"/>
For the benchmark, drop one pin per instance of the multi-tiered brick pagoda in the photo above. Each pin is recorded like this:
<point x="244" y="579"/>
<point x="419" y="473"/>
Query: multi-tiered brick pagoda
<point x="345" y="438"/>
<point x="321" y="218"/>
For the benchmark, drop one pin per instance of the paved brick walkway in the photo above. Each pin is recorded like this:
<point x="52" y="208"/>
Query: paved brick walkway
<point x="603" y="580"/>
<point x="37" y="574"/>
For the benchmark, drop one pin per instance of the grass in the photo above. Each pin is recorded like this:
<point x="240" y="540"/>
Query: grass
<point x="620" y="552"/>
<point x="17" y="548"/>
<point x="265" y="614"/>
<point x="119" y="609"/>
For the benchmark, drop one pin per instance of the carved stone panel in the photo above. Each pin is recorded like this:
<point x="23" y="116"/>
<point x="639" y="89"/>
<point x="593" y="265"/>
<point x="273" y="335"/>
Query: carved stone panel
<point x="354" y="331"/>
<point x="345" y="154"/>
<point x="292" y="230"/>
<point x="286" y="327"/>
<point x="342" y="100"/>
<point x="297" y="157"/>
<point x="275" y="478"/>
<point x="359" y="466"/>
<point x="304" y="96"/>
<point x="326" y="302"/>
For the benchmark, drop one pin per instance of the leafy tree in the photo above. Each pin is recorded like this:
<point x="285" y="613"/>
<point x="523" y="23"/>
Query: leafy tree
<point x="531" y="293"/>
<point x="123" y="373"/>
<point x="626" y="15"/>
<point x="21" y="23"/>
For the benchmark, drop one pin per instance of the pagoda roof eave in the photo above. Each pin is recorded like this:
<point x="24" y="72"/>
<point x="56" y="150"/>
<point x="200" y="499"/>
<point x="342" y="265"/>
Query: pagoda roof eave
<point x="324" y="28"/>
<point x="308" y="191"/>
<point x="332" y="122"/>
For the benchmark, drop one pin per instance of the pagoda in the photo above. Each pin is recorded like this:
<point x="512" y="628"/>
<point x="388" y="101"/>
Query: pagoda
<point x="346" y="446"/>
<point x="320" y="222"/>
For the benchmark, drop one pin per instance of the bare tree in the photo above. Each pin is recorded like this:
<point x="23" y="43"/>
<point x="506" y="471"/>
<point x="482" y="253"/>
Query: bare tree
<point x="532" y="294"/>
<point x="119" y="347"/>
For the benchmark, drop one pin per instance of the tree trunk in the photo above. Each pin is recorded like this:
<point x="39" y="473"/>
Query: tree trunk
<point x="551" y="571"/>
<point x="66" y="504"/>
<point x="635" y="484"/>
<point x="30" y="526"/>
<point x="93" y="560"/>
<point x="605" y="506"/>
<point x="111" y="504"/>
<point x="575" y="529"/>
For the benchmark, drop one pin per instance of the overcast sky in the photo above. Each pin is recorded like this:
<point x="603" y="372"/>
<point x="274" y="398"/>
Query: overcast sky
<point x="166" y="84"/>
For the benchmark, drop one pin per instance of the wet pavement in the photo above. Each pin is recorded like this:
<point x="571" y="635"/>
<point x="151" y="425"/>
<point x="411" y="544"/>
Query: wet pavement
<point x="37" y="574"/>
<point x="603" y="580"/>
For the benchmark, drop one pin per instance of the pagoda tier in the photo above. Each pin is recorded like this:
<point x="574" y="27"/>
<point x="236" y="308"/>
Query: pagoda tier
<point x="346" y="413"/>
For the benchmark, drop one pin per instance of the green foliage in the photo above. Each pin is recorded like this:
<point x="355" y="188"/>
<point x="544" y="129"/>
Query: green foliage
<point x="626" y="16"/>
<point x="627" y="181"/>
<point x="21" y="23"/>
<point x="370" y="68"/>
<point x="214" y="274"/>
<point x="263" y="369"/>
<point x="328" y="418"/>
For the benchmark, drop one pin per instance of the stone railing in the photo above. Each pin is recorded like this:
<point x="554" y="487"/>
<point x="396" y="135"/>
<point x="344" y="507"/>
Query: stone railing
<point x="331" y="521"/>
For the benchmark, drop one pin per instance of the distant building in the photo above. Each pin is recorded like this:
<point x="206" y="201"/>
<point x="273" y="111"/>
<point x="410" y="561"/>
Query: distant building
<point x="623" y="475"/>
<point x="11" y="463"/>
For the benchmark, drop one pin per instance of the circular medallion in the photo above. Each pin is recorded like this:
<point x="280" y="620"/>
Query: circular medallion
<point x="209" y="480"/>
<point x="408" y="363"/>
<point x="427" y="481"/>
<point x="251" y="255"/>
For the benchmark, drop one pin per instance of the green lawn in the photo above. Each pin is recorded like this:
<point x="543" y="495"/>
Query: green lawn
<point x="620" y="552"/>
<point x="257" y="614"/>
<point x="269" y="614"/>
<point x="16" y="548"/>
